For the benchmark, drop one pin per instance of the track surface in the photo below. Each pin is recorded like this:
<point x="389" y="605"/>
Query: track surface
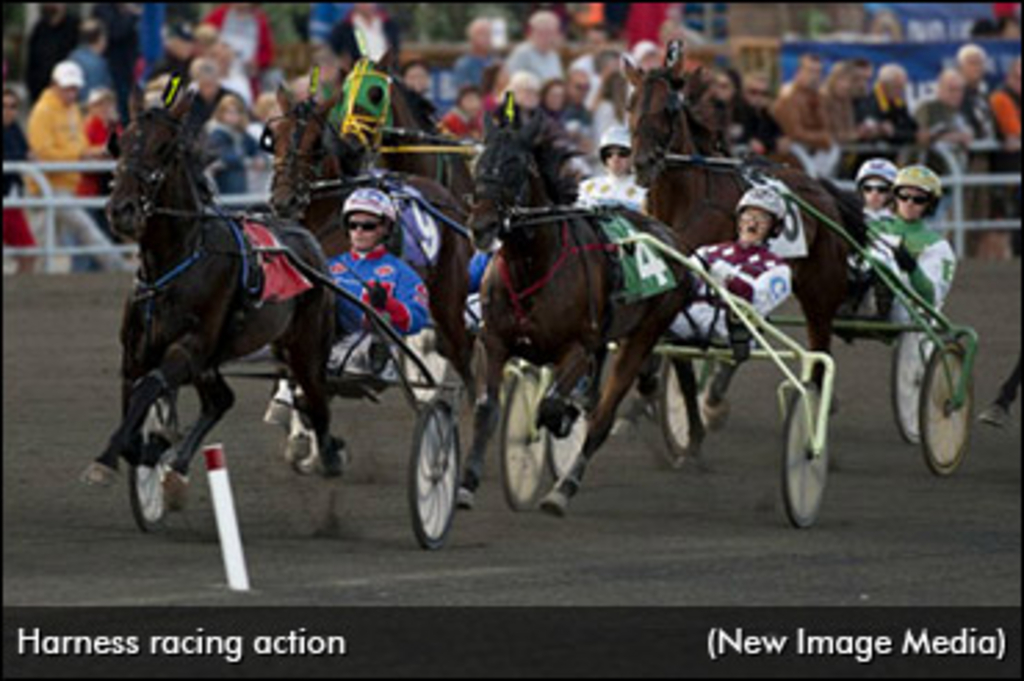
<point x="889" y="534"/>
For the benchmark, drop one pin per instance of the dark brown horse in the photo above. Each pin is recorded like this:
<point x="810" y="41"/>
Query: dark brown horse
<point x="698" y="199"/>
<point x="301" y="142"/>
<point x="193" y="310"/>
<point x="549" y="295"/>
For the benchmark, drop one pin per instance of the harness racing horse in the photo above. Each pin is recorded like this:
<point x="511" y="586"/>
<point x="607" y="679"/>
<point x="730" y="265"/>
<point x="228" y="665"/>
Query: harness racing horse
<point x="192" y="310"/>
<point x="377" y="106"/>
<point x="549" y="296"/>
<point x="299" y="140"/>
<point x="697" y="197"/>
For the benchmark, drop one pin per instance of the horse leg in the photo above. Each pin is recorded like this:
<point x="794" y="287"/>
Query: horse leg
<point x="628" y="361"/>
<point x="485" y="420"/>
<point x="455" y="344"/>
<point x="688" y="384"/>
<point x="647" y="384"/>
<point x="177" y="368"/>
<point x="216" y="398"/>
<point x="314" y="404"/>
<point x="715" y="405"/>
<point x="556" y="413"/>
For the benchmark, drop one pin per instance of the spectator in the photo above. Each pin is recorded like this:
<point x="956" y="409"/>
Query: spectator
<point x="121" y="22"/>
<point x="266" y="109"/>
<point x="101" y="121"/>
<point x="1006" y="108"/>
<point x="579" y="121"/>
<point x="539" y="55"/>
<point x="232" y="76"/>
<point x="470" y="67"/>
<point x="597" y="41"/>
<point x="52" y="40"/>
<point x="864" y="75"/>
<point x="496" y="82"/>
<point x="759" y="131"/>
<point x="889" y="119"/>
<point x="838" y="104"/>
<point x="724" y="96"/>
<point x="416" y="76"/>
<point x="89" y="56"/>
<point x="17" y="232"/>
<point x="207" y="38"/>
<point x="648" y="56"/>
<point x="942" y="119"/>
<point x="971" y="61"/>
<point x="553" y="100"/>
<point x="323" y="17"/>
<point x="380" y="32"/>
<point x="645" y="21"/>
<point x="612" y="105"/>
<point x="179" y="51"/>
<point x="56" y="133"/>
<point x="205" y="76"/>
<point x="232" y="146"/>
<point x="526" y="89"/>
<point x="466" y="121"/>
<point x="800" y="112"/>
<point x="244" y="28"/>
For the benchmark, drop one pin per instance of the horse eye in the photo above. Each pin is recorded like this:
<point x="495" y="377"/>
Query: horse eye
<point x="376" y="95"/>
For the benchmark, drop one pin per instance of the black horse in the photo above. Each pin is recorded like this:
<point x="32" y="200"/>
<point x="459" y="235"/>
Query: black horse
<point x="194" y="308"/>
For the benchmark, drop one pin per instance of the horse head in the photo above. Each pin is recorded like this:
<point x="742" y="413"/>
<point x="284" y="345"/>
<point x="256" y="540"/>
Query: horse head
<point x="657" y="114"/>
<point x="299" y="142"/>
<point x="156" y="166"/>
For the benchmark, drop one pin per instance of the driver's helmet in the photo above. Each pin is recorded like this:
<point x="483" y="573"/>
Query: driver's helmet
<point x="370" y="202"/>
<point x="617" y="137"/>
<point x="922" y="178"/>
<point x="767" y="200"/>
<point x="879" y="169"/>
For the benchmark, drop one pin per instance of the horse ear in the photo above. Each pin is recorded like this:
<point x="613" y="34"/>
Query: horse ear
<point x="675" y="59"/>
<point x="326" y="107"/>
<point x="136" y="103"/>
<point x="285" y="99"/>
<point x="534" y="124"/>
<point x="633" y="72"/>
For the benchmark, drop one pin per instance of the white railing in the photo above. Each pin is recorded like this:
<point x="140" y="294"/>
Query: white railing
<point x="50" y="203"/>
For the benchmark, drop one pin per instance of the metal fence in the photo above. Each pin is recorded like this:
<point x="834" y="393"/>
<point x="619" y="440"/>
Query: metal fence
<point x="954" y="219"/>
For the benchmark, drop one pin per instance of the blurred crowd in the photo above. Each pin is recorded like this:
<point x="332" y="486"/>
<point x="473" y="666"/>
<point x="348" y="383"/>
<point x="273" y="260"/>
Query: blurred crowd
<point x="80" y="71"/>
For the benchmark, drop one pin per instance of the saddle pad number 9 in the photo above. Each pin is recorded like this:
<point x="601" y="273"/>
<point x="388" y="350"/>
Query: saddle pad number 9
<point x="645" y="273"/>
<point x="422" y="236"/>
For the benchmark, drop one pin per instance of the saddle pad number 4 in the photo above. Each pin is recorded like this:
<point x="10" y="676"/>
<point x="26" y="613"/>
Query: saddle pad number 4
<point x="652" y="268"/>
<point x="644" y="272"/>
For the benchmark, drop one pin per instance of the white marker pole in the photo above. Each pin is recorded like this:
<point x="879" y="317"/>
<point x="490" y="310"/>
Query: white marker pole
<point x="227" y="521"/>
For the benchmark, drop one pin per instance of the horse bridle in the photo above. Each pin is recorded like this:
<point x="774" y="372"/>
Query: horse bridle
<point x="304" y="114"/>
<point x="492" y="185"/>
<point x="674" y="109"/>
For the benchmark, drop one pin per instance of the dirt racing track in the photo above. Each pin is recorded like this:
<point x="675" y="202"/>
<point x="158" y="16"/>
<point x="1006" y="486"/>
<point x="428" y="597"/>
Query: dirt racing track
<point x="889" y="534"/>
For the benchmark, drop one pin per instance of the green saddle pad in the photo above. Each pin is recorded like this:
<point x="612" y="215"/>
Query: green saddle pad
<point x="645" y="273"/>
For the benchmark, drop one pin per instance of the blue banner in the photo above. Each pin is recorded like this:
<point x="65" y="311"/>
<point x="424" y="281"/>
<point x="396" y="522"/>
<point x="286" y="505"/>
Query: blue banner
<point x="934" y="21"/>
<point x="924" y="63"/>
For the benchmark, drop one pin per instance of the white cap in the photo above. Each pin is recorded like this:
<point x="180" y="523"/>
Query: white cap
<point x="372" y="202"/>
<point x="68" y="74"/>
<point x="616" y="136"/>
<point x="644" y="49"/>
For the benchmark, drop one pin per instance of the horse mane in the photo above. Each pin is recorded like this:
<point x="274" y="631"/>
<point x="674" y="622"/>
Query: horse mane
<point x="422" y="110"/>
<point x="851" y="209"/>
<point x="554" y="153"/>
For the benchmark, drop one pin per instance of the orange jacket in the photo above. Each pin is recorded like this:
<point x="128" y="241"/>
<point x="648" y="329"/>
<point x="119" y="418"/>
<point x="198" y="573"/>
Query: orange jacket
<point x="1007" y="114"/>
<point x="56" y="133"/>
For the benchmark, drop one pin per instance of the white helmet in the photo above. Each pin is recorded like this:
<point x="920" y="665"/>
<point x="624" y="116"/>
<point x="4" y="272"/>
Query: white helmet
<point x="68" y="74"/>
<point x="766" y="199"/>
<point x="616" y="137"/>
<point x="880" y="168"/>
<point x="371" y="202"/>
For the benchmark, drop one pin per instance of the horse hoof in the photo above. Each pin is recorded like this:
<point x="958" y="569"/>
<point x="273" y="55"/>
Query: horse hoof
<point x="298" y="450"/>
<point x="555" y="504"/>
<point x="335" y="460"/>
<point x="715" y="416"/>
<point x="175" y="491"/>
<point x="97" y="474"/>
<point x="466" y="499"/>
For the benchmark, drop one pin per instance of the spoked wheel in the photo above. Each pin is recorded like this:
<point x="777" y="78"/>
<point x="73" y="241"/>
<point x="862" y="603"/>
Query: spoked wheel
<point x="945" y="432"/>
<point x="674" y="420"/>
<point x="425" y="346"/>
<point x="909" y="361"/>
<point x="433" y="474"/>
<point x="146" y="480"/>
<point x="523" y="445"/>
<point x="804" y="475"/>
<point x="561" y="454"/>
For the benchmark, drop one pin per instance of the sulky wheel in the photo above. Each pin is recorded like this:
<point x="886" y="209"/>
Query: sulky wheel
<point x="146" y="479"/>
<point x="674" y="418"/>
<point x="804" y="475"/>
<point x="434" y="474"/>
<point x="523" y="444"/>
<point x="945" y="431"/>
<point x="909" y="361"/>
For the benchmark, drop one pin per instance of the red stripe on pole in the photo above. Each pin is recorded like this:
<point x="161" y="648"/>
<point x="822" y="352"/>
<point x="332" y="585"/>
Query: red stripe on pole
<point x="215" y="457"/>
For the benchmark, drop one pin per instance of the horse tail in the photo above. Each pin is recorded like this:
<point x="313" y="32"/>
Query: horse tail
<point x="851" y="212"/>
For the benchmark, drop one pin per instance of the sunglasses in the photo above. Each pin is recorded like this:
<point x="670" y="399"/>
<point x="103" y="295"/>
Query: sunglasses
<point x="916" y="200"/>
<point x="876" y="189"/>
<point x="619" y="153"/>
<point x="364" y="226"/>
